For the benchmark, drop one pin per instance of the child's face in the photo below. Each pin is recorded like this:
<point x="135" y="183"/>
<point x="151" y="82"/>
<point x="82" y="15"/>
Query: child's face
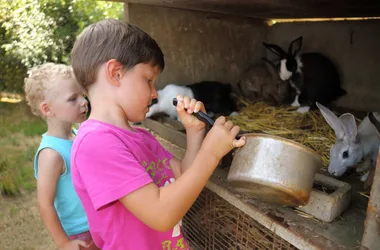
<point x="137" y="89"/>
<point x="66" y="102"/>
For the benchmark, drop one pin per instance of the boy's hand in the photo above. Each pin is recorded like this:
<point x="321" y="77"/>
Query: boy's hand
<point x="189" y="121"/>
<point x="75" y="245"/>
<point x="221" y="138"/>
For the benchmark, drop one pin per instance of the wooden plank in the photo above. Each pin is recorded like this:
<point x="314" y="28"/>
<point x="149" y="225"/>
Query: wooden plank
<point x="126" y="11"/>
<point x="371" y="236"/>
<point x="173" y="123"/>
<point x="275" y="8"/>
<point x="170" y="134"/>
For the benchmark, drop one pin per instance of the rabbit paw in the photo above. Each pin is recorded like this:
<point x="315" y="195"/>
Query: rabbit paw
<point x="364" y="167"/>
<point x="368" y="183"/>
<point x="234" y="113"/>
<point x="295" y="103"/>
<point x="303" y="109"/>
<point x="364" y="177"/>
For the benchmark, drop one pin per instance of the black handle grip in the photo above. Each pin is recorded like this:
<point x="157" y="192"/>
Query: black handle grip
<point x="203" y="117"/>
<point x="200" y="115"/>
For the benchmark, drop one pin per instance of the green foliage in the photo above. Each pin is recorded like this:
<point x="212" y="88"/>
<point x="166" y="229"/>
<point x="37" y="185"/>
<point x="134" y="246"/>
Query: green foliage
<point x="30" y="32"/>
<point x="37" y="31"/>
<point x="20" y="135"/>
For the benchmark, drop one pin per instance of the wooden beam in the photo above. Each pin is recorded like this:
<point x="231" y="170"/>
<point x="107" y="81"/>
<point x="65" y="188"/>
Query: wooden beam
<point x="172" y="135"/>
<point x="126" y="11"/>
<point x="275" y="8"/>
<point x="171" y="122"/>
<point x="371" y="235"/>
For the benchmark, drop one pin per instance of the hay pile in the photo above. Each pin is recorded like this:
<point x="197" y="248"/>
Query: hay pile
<point x="309" y="129"/>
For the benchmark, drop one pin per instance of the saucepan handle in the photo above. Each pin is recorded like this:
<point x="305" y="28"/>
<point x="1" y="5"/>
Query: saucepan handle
<point x="203" y="117"/>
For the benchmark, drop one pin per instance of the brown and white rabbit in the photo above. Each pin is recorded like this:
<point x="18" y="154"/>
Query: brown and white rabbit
<point x="261" y="82"/>
<point x="312" y="75"/>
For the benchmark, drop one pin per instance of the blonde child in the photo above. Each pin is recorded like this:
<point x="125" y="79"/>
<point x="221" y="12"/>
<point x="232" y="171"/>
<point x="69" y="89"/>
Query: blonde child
<point x="53" y="94"/>
<point x="134" y="191"/>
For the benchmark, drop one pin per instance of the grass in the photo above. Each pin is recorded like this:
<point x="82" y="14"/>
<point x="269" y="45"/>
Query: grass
<point x="20" y="134"/>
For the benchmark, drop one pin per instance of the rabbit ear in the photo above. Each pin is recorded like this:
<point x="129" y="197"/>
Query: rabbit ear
<point x="332" y="120"/>
<point x="349" y="125"/>
<point x="275" y="49"/>
<point x="270" y="67"/>
<point x="295" y="46"/>
<point x="374" y="121"/>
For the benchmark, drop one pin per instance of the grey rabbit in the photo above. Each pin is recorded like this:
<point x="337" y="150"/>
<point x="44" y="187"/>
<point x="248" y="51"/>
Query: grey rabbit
<point x="375" y="122"/>
<point x="352" y="143"/>
<point x="371" y="174"/>
<point x="314" y="76"/>
<point x="261" y="82"/>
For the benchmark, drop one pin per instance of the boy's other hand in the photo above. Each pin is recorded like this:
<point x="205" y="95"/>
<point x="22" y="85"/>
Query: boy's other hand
<point x="221" y="138"/>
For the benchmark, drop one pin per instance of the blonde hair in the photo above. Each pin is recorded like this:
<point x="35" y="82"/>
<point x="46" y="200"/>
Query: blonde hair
<point x="41" y="81"/>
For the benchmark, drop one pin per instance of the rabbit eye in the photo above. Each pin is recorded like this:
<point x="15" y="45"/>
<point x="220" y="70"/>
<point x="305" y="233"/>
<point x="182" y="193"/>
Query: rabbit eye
<point x="345" y="155"/>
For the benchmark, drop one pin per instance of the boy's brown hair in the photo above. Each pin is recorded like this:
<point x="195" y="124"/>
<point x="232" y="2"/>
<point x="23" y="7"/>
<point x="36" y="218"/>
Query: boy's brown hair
<point x="112" y="39"/>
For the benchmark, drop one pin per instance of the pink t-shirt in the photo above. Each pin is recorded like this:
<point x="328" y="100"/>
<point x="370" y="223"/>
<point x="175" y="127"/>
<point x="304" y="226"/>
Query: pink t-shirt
<point x="108" y="163"/>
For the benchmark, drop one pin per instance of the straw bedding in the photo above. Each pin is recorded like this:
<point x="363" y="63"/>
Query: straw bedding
<point x="309" y="129"/>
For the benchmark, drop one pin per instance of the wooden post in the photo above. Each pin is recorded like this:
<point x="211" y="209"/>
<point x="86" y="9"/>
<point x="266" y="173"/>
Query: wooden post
<point x="371" y="235"/>
<point x="126" y="11"/>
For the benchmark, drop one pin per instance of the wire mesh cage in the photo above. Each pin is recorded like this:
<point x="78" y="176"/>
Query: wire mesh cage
<point x="214" y="224"/>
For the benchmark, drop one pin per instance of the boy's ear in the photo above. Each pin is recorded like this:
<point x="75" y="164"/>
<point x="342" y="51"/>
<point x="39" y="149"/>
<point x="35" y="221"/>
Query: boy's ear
<point x="114" y="71"/>
<point x="45" y="109"/>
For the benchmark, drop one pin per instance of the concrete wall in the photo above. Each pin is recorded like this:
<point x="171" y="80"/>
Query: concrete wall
<point x="353" y="46"/>
<point x="200" y="46"/>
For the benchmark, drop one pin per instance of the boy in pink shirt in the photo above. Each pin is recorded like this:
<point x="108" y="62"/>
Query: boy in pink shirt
<point x="134" y="192"/>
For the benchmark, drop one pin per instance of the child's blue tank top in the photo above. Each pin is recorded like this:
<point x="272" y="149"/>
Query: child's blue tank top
<point x="67" y="203"/>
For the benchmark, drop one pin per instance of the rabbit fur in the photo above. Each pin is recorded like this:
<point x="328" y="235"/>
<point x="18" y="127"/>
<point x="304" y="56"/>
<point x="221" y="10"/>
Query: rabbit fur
<point x="215" y="96"/>
<point x="261" y="82"/>
<point x="313" y="76"/>
<point x="352" y="143"/>
<point x="375" y="122"/>
<point x="371" y="173"/>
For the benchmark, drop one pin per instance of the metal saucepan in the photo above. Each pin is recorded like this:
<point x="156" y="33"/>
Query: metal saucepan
<point x="274" y="169"/>
<point x="271" y="168"/>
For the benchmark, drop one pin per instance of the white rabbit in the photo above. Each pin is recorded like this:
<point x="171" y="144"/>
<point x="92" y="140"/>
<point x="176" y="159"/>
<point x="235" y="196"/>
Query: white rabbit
<point x="164" y="103"/>
<point x="352" y="143"/>
<point x="216" y="97"/>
